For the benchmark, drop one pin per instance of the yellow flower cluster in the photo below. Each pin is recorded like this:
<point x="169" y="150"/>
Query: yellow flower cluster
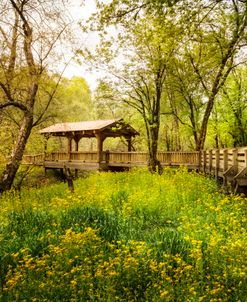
<point x="124" y="237"/>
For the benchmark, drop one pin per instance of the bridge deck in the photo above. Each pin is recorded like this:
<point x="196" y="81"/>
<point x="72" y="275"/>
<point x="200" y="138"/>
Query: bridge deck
<point x="96" y="166"/>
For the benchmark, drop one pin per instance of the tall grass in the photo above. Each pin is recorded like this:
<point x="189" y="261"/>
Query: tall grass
<point x="130" y="236"/>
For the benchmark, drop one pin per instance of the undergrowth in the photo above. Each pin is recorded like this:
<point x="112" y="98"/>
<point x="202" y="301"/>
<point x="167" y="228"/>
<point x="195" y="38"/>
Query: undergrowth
<point x="131" y="236"/>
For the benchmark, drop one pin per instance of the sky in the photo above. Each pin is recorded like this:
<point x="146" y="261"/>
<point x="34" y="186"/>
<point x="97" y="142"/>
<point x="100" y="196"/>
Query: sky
<point x="78" y="13"/>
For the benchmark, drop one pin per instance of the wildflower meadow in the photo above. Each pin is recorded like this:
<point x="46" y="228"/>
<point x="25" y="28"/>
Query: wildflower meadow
<point x="130" y="236"/>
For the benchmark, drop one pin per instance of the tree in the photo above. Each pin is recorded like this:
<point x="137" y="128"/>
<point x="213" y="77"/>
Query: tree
<point x="214" y="50"/>
<point x="119" y="11"/>
<point x="185" y="98"/>
<point x="74" y="100"/>
<point x="214" y="35"/>
<point x="210" y="34"/>
<point x="29" y="33"/>
<point x="137" y="62"/>
<point x="234" y="107"/>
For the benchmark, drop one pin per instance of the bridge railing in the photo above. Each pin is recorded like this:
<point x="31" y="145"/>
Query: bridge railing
<point x="224" y="159"/>
<point x="229" y="164"/>
<point x="57" y="156"/>
<point x="90" y="157"/>
<point x="220" y="160"/>
<point x="179" y="158"/>
<point x="36" y="159"/>
<point x="169" y="158"/>
<point x="128" y="157"/>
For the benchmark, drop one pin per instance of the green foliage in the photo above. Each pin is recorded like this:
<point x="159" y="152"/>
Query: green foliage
<point x="232" y="109"/>
<point x="192" y="47"/>
<point x="126" y="236"/>
<point x="74" y="101"/>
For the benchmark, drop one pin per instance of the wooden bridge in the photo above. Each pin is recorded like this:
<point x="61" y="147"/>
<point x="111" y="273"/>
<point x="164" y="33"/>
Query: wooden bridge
<point x="228" y="164"/>
<point x="110" y="160"/>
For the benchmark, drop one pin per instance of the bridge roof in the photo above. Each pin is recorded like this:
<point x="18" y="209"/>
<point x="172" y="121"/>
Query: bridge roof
<point x="110" y="128"/>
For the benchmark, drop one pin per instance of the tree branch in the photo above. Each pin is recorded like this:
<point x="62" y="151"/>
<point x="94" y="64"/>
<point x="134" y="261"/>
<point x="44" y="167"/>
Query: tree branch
<point x="14" y="104"/>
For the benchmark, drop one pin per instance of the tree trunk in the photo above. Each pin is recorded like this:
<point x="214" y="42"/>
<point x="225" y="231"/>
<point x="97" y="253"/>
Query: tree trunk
<point x="69" y="179"/>
<point x="12" y="167"/>
<point x="22" y="97"/>
<point x="153" y="163"/>
<point x="154" y="125"/>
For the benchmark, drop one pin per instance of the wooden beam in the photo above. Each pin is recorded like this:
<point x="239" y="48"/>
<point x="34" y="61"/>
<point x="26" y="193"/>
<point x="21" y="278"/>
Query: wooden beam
<point x="245" y="157"/>
<point x="45" y="145"/>
<point x="235" y="158"/>
<point x="128" y="139"/>
<point x="100" y="140"/>
<point x="69" y="147"/>
<point x="77" y="140"/>
<point x="217" y="163"/>
<point x="225" y="166"/>
<point x="210" y="160"/>
<point x="225" y="160"/>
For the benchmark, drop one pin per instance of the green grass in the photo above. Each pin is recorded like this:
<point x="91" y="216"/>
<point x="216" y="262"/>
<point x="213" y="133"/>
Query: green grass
<point x="131" y="236"/>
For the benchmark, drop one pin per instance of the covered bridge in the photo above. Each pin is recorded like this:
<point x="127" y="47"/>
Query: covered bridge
<point x="100" y="129"/>
<point x="229" y="164"/>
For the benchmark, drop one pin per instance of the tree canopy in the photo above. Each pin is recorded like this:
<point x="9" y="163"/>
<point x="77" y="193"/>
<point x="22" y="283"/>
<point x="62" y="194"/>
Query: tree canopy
<point x="169" y="60"/>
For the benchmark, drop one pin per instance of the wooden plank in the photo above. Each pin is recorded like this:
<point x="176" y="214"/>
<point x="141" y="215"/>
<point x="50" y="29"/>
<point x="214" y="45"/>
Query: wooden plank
<point x="221" y="160"/>
<point x="217" y="163"/>
<point x="235" y="159"/>
<point x="204" y="164"/>
<point x="210" y="161"/>
<point x="245" y="157"/>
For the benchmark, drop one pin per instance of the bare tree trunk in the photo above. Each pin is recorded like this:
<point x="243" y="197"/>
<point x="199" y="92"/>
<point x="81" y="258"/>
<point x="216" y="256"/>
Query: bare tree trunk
<point x="153" y="128"/>
<point x="69" y="179"/>
<point x="153" y="163"/>
<point x="12" y="167"/>
<point x="21" y="48"/>
<point x="204" y="126"/>
<point x="220" y="79"/>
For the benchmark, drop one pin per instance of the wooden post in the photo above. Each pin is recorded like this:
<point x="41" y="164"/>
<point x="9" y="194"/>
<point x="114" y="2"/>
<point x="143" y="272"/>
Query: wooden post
<point x="225" y="166"/>
<point x="76" y="139"/>
<point x="62" y="175"/>
<point x="225" y="160"/>
<point x="217" y="163"/>
<point x="245" y="158"/>
<point x="210" y="160"/>
<point x="100" y="141"/>
<point x="45" y="150"/>
<point x="45" y="145"/>
<point x="204" y="161"/>
<point x="199" y="160"/>
<point x="235" y="159"/>
<point x="69" y="147"/>
<point x="128" y="139"/>
<point x="234" y="183"/>
<point x="107" y="157"/>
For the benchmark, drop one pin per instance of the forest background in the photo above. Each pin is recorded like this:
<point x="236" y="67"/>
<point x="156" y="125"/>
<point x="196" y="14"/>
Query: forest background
<point x="174" y="69"/>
